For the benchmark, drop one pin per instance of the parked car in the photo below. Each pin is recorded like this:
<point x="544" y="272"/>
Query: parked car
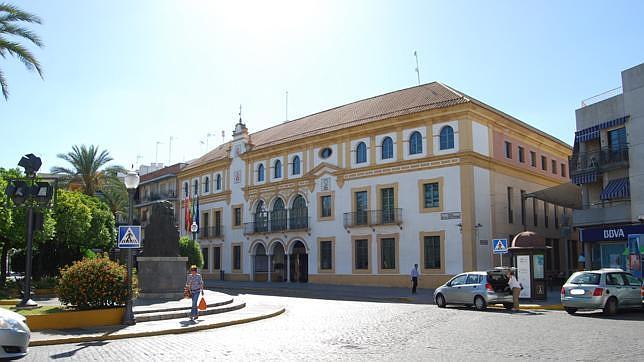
<point x="477" y="288"/>
<point x="14" y="335"/>
<point x="607" y="289"/>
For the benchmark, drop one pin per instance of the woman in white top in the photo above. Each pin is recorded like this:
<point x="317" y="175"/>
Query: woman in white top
<point x="515" y="286"/>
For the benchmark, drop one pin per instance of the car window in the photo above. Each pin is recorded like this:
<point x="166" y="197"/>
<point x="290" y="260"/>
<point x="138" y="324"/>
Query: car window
<point x="473" y="279"/>
<point x="614" y="279"/>
<point x="586" y="278"/>
<point x="459" y="280"/>
<point x="631" y="280"/>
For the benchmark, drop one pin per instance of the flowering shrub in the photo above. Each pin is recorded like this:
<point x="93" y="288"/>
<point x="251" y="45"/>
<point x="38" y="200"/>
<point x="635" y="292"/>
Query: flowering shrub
<point x="93" y="283"/>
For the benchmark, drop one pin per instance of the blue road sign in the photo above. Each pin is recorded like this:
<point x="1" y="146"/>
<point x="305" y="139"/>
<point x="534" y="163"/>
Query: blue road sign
<point x="129" y="237"/>
<point x="500" y="246"/>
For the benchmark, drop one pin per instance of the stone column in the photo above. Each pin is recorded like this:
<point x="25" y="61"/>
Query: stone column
<point x="288" y="267"/>
<point x="270" y="266"/>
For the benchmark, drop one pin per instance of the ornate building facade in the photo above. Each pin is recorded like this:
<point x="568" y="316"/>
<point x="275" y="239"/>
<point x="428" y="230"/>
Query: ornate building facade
<point x="360" y="193"/>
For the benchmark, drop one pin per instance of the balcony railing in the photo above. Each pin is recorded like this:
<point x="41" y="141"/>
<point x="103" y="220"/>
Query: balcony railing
<point x="211" y="232"/>
<point x="156" y="196"/>
<point x="601" y="160"/>
<point x="278" y="221"/>
<point x="373" y="217"/>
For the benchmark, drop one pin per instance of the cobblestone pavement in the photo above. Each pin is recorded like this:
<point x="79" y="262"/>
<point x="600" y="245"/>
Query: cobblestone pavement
<point x="314" y="329"/>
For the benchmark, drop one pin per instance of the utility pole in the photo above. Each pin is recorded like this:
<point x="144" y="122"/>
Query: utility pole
<point x="156" y="158"/>
<point x="170" y="149"/>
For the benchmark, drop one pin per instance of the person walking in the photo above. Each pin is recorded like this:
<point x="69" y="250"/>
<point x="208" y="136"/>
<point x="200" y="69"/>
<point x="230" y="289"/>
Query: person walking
<point x="515" y="286"/>
<point x="194" y="283"/>
<point x="414" y="278"/>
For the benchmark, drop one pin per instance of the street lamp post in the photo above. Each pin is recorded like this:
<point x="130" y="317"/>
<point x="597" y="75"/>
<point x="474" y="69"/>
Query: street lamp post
<point x="194" y="228"/>
<point x="131" y="183"/>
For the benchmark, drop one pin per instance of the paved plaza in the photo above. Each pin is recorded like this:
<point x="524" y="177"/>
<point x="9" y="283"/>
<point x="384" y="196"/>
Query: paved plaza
<point x="324" y="329"/>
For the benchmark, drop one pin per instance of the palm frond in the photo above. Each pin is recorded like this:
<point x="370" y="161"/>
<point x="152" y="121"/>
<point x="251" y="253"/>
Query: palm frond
<point x="13" y="13"/>
<point x="22" y="53"/>
<point x="21" y="32"/>
<point x="4" y="85"/>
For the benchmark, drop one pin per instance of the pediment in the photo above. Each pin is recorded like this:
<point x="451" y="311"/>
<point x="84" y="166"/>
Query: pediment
<point x="322" y="169"/>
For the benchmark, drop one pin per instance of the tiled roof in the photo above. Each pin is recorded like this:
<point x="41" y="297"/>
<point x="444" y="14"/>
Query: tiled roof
<point x="174" y="169"/>
<point x="406" y="101"/>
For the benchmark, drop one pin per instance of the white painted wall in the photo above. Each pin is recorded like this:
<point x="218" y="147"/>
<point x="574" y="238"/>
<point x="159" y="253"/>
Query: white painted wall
<point x="482" y="207"/>
<point x="481" y="139"/>
<point x="333" y="159"/>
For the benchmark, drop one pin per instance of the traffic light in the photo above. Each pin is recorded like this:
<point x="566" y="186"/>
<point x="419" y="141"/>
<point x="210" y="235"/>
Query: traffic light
<point x="18" y="191"/>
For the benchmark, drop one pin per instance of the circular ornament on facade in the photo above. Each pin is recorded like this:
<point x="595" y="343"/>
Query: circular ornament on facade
<point x="326" y="153"/>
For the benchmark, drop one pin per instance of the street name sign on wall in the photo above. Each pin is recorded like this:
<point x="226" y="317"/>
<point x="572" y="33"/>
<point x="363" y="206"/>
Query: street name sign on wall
<point x="129" y="237"/>
<point x="500" y="246"/>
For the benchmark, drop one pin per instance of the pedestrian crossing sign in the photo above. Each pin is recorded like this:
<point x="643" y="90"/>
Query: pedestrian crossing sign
<point x="500" y="246"/>
<point x="129" y="237"/>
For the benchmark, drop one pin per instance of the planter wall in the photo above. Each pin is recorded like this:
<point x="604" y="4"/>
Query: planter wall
<point x="76" y="319"/>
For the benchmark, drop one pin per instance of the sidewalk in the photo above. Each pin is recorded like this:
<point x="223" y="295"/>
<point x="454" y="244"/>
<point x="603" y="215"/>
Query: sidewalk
<point x="356" y="293"/>
<point x="245" y="314"/>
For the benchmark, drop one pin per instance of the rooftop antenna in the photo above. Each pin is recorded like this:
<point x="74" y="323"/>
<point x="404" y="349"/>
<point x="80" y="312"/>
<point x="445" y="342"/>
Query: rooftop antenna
<point x="208" y="138"/>
<point x="138" y="157"/>
<point x="417" y="68"/>
<point x="156" y="158"/>
<point x="223" y="136"/>
<point x="286" y="105"/>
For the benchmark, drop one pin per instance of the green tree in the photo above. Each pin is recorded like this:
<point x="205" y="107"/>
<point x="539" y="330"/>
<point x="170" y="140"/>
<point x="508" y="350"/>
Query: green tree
<point x="88" y="169"/>
<point x="11" y="27"/>
<point x="13" y="222"/>
<point x="191" y="249"/>
<point x="115" y="196"/>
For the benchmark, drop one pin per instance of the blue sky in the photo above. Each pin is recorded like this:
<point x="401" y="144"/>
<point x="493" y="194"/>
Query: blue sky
<point x="125" y="75"/>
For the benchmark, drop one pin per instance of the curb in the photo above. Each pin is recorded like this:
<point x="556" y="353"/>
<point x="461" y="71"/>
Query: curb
<point x="107" y="336"/>
<point x="543" y="307"/>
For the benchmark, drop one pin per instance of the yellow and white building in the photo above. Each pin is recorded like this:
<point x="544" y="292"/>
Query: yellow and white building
<point x="360" y="193"/>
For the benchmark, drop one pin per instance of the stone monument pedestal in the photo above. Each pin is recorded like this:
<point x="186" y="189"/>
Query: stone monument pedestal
<point x="162" y="277"/>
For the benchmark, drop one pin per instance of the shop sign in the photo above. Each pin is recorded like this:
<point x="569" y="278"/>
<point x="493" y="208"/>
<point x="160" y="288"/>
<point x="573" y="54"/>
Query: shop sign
<point x="611" y="232"/>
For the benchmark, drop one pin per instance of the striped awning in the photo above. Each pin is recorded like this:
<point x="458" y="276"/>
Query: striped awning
<point x="584" y="178"/>
<point x="616" y="189"/>
<point x="593" y="132"/>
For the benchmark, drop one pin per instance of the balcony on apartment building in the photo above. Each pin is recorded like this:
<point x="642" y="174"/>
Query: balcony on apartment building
<point x="211" y="232"/>
<point x="613" y="206"/>
<point x="278" y="221"/>
<point x="156" y="196"/>
<point x="586" y="166"/>
<point x="373" y="217"/>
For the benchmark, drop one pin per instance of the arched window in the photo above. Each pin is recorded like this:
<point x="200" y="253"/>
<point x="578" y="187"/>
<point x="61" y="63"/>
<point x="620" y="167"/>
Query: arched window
<point x="415" y="143"/>
<point x="296" y="165"/>
<point x="447" y="138"/>
<point x="185" y="189"/>
<point x="299" y="218"/>
<point x="260" y="172"/>
<point x="206" y="185"/>
<point x="195" y="187"/>
<point x="277" y="169"/>
<point x="278" y="216"/>
<point x="387" y="150"/>
<point x="218" y="182"/>
<point x="361" y="153"/>
<point x="261" y="217"/>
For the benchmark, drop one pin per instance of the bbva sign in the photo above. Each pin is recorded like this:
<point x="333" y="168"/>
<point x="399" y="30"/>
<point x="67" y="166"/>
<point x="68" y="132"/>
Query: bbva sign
<point x="614" y="234"/>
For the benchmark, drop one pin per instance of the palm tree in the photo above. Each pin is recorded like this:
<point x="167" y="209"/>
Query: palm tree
<point x="115" y="196"/>
<point x="11" y="19"/>
<point x="86" y="169"/>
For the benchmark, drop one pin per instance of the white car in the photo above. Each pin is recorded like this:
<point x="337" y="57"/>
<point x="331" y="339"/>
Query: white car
<point x="14" y="335"/>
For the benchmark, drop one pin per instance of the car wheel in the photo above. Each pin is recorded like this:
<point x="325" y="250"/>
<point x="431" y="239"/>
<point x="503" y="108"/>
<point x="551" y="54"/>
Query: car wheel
<point x="611" y="307"/>
<point x="440" y="301"/>
<point x="570" y="310"/>
<point x="479" y="303"/>
<point x="508" y="306"/>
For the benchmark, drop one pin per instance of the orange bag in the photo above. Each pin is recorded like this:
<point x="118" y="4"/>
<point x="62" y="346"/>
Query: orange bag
<point x="202" y="304"/>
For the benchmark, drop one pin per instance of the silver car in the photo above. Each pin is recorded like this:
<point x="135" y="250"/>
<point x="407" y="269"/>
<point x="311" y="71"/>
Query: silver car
<point x="607" y="289"/>
<point x="478" y="288"/>
<point x="14" y="335"/>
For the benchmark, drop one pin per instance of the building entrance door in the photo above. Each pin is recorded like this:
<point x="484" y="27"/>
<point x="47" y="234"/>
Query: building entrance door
<point x="299" y="263"/>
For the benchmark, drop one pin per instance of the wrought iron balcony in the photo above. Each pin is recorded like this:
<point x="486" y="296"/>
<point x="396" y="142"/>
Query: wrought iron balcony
<point x="602" y="160"/>
<point x="278" y="221"/>
<point x="373" y="217"/>
<point x="211" y="232"/>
